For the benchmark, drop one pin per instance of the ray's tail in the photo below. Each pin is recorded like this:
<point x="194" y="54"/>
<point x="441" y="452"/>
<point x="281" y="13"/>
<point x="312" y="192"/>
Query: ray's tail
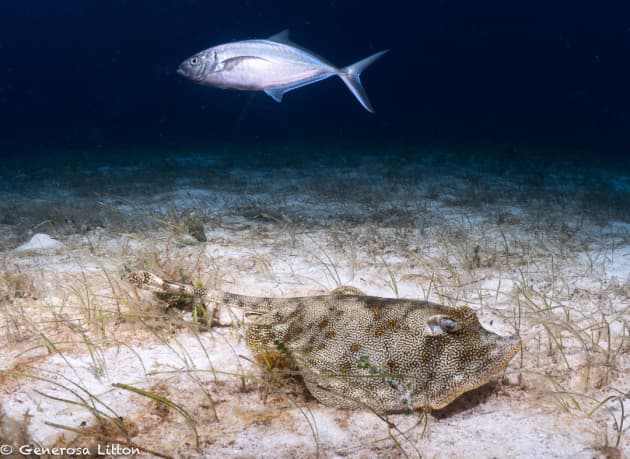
<point x="251" y="304"/>
<point x="148" y="281"/>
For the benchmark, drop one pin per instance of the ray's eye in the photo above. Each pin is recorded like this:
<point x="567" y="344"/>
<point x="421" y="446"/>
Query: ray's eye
<point x="194" y="61"/>
<point x="449" y="325"/>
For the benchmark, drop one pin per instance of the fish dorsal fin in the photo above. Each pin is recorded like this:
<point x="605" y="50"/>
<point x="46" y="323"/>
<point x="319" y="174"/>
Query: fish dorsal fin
<point x="281" y="37"/>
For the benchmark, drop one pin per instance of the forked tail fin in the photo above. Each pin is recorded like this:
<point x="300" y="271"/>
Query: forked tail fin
<point x="351" y="76"/>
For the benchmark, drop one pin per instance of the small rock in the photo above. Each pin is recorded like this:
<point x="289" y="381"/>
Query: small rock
<point x="187" y="239"/>
<point x="41" y="242"/>
<point x="194" y="226"/>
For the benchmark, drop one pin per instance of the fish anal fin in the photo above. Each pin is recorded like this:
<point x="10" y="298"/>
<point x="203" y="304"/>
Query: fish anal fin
<point x="276" y="93"/>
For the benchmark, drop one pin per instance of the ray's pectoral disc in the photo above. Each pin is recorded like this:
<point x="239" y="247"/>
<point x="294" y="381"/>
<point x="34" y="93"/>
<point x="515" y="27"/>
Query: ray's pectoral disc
<point x="355" y="350"/>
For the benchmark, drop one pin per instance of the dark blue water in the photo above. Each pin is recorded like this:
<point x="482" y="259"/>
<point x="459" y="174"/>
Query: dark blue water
<point x="99" y="76"/>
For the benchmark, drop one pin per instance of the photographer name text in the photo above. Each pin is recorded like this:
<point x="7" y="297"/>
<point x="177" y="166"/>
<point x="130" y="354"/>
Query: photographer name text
<point x="101" y="450"/>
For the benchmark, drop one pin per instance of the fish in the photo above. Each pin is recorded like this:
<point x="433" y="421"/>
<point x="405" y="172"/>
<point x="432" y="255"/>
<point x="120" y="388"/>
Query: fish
<point x="274" y="65"/>
<point x="359" y="351"/>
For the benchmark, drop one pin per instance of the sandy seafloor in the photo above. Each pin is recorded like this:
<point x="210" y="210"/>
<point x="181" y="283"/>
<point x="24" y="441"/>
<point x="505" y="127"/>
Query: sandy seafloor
<point x="537" y="246"/>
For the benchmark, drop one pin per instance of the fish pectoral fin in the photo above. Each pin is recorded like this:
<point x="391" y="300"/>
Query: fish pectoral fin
<point x="276" y="93"/>
<point x="232" y="62"/>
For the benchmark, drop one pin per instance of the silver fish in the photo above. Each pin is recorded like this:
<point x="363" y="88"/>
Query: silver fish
<point x="275" y="65"/>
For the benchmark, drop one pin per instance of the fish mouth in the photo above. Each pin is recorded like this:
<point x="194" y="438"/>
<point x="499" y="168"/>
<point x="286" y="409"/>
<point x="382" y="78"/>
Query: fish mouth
<point x="180" y="71"/>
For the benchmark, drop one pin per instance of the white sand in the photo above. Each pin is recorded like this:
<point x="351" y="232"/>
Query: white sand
<point x="77" y="329"/>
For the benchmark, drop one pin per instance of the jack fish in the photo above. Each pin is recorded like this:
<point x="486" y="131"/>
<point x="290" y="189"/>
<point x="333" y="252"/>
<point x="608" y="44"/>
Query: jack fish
<point x="275" y="65"/>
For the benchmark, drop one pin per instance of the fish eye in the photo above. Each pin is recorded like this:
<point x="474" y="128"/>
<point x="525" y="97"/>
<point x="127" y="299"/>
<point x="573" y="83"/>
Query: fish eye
<point x="194" y="61"/>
